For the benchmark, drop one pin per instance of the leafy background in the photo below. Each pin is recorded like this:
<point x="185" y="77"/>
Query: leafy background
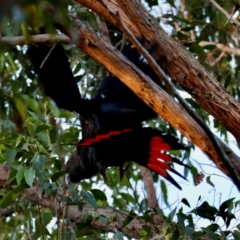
<point x="36" y="136"/>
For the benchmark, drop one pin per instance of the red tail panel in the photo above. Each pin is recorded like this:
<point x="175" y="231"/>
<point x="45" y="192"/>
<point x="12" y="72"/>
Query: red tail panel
<point x="159" y="161"/>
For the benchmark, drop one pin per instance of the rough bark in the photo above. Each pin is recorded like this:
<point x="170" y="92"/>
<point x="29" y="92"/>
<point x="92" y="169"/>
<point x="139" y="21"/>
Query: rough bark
<point x="181" y="66"/>
<point x="98" y="7"/>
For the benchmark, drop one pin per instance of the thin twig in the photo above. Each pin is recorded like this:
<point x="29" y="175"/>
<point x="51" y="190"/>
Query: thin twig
<point x="40" y="38"/>
<point x="224" y="12"/>
<point x="45" y="59"/>
<point x="222" y="47"/>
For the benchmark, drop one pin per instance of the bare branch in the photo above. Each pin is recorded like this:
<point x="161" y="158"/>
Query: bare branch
<point x="41" y="38"/>
<point x="224" y="48"/>
<point x="225" y="12"/>
<point x="117" y="217"/>
<point x="149" y="187"/>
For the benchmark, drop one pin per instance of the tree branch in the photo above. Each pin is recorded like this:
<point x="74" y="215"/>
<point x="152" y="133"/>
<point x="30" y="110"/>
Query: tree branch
<point x="180" y="65"/>
<point x="149" y="92"/>
<point x="185" y="69"/>
<point x="41" y="38"/>
<point x="76" y="216"/>
<point x="116" y="218"/>
<point x="218" y="150"/>
<point x="149" y="187"/>
<point x="224" y="48"/>
<point x="228" y="16"/>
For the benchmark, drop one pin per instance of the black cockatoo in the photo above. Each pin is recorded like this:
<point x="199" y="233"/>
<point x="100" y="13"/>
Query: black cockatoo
<point x="112" y="132"/>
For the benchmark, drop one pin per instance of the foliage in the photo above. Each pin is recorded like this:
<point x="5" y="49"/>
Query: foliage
<point x="37" y="138"/>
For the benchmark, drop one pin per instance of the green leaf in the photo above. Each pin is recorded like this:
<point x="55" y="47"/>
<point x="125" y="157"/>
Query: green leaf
<point x="34" y="115"/>
<point x="172" y="214"/>
<point x="164" y="192"/>
<point x="226" y="205"/>
<point x="103" y="219"/>
<point x="11" y="155"/>
<point x="18" y="141"/>
<point x="40" y="163"/>
<point x="90" y="199"/>
<point x="238" y="226"/>
<point x="175" y="235"/>
<point x="42" y="128"/>
<point x="142" y="233"/>
<point x="42" y="136"/>
<point x="213" y="227"/>
<point x="185" y="201"/>
<point x="129" y="218"/>
<point x="7" y="200"/>
<point x="128" y="198"/>
<point x="207" y="211"/>
<point x="20" y="106"/>
<point x="42" y="150"/>
<point x="58" y="165"/>
<point x="29" y="175"/>
<point x="99" y="196"/>
<point x="236" y="234"/>
<point x="119" y="235"/>
<point x="225" y="211"/>
<point x="46" y="218"/>
<point x="57" y="175"/>
<point x="20" y="175"/>
<point x="10" y="197"/>
<point x="209" y="181"/>
<point x="152" y="3"/>
<point x="88" y="218"/>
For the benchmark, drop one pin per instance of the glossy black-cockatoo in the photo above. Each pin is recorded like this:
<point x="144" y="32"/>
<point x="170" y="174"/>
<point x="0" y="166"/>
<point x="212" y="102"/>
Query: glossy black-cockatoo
<point x="111" y="121"/>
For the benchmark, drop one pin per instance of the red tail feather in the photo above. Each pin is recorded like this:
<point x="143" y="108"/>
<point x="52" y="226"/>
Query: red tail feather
<point x="158" y="144"/>
<point x="163" y="156"/>
<point x="154" y="162"/>
<point x="157" y="169"/>
<point x="99" y="137"/>
<point x="158" y="161"/>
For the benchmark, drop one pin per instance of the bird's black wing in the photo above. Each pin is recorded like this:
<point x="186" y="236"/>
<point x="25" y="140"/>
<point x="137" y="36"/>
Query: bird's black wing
<point x="117" y="97"/>
<point x="51" y="65"/>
